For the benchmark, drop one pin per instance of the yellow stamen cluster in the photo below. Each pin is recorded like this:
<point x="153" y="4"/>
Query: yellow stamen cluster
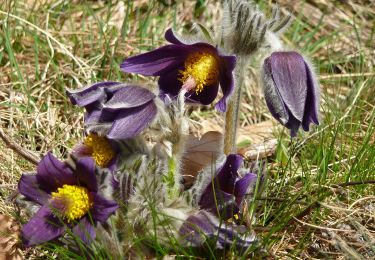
<point x="203" y="68"/>
<point x="100" y="149"/>
<point x="76" y="200"/>
<point x="235" y="216"/>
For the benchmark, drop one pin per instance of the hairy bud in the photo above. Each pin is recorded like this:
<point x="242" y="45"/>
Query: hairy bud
<point x="246" y="27"/>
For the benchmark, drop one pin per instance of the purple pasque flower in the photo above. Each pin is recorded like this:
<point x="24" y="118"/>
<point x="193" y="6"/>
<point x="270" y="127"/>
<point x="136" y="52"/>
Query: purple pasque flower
<point x="225" y="194"/>
<point x="198" y="68"/>
<point x="203" y="225"/>
<point x="115" y="110"/>
<point x="69" y="199"/>
<point x="104" y="151"/>
<point x="291" y="90"/>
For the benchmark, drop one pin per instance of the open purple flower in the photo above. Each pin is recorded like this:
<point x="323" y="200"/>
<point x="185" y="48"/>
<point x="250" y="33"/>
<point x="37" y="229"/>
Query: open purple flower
<point x="197" y="68"/>
<point x="291" y="90"/>
<point x="224" y="195"/>
<point x="116" y="110"/>
<point x="69" y="199"/>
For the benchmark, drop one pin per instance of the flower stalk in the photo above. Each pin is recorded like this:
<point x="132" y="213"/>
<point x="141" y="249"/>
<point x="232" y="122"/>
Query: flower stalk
<point x="171" y="178"/>
<point x="233" y="109"/>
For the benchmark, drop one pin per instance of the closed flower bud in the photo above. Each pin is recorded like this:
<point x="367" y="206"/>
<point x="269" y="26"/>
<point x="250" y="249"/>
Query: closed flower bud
<point x="291" y="90"/>
<point x="115" y="110"/>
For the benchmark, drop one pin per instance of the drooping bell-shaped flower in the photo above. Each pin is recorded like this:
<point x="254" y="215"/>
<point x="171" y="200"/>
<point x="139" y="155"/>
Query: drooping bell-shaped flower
<point x="115" y="110"/>
<point x="198" y="68"/>
<point x="68" y="198"/>
<point x="291" y="90"/>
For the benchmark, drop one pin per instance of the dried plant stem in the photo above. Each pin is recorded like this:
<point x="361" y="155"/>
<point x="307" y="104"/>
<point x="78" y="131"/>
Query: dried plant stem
<point x="233" y="109"/>
<point x="29" y="156"/>
<point x="323" y="228"/>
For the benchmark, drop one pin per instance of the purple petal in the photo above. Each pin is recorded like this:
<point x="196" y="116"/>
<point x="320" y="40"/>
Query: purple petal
<point x="29" y="187"/>
<point x="85" y="96"/>
<point x="44" y="226"/>
<point x="272" y="95"/>
<point x="219" y="203"/>
<point x="93" y="117"/>
<point x="227" y="175"/>
<point x="227" y="66"/>
<point x="293" y="124"/>
<point x="206" y="97"/>
<point x="312" y="102"/>
<point x="169" y="36"/>
<point x="129" y="97"/>
<point x="156" y="62"/>
<point x="237" y="236"/>
<point x="51" y="173"/>
<point x="202" y="225"/>
<point x="112" y="165"/>
<point x="99" y="121"/>
<point x="197" y="228"/>
<point x="99" y="128"/>
<point x="99" y="116"/>
<point x="85" y="230"/>
<point x="169" y="83"/>
<point x="243" y="185"/>
<point x="81" y="150"/>
<point x="289" y="74"/>
<point x="131" y="122"/>
<point x="85" y="173"/>
<point x="96" y="94"/>
<point x="102" y="208"/>
<point x="218" y="195"/>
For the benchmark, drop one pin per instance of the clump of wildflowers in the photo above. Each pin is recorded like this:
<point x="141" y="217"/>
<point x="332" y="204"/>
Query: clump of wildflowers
<point x="139" y="172"/>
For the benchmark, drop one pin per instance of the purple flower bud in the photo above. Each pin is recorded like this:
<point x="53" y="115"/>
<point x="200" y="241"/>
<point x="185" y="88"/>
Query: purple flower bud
<point x="291" y="90"/>
<point x="118" y="111"/>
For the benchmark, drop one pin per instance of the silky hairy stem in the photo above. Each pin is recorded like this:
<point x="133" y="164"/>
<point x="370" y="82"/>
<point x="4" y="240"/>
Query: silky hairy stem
<point x="233" y="109"/>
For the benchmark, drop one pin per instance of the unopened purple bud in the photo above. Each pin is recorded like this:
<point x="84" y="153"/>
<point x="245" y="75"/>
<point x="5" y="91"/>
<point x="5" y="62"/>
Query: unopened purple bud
<point x="291" y="90"/>
<point x="115" y="110"/>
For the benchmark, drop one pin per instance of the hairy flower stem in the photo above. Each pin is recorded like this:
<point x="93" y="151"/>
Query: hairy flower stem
<point x="171" y="179"/>
<point x="233" y="109"/>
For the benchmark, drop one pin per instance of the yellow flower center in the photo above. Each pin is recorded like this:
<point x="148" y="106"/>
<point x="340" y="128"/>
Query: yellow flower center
<point x="201" y="69"/>
<point x="76" y="201"/>
<point x="100" y="149"/>
<point x="235" y="216"/>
